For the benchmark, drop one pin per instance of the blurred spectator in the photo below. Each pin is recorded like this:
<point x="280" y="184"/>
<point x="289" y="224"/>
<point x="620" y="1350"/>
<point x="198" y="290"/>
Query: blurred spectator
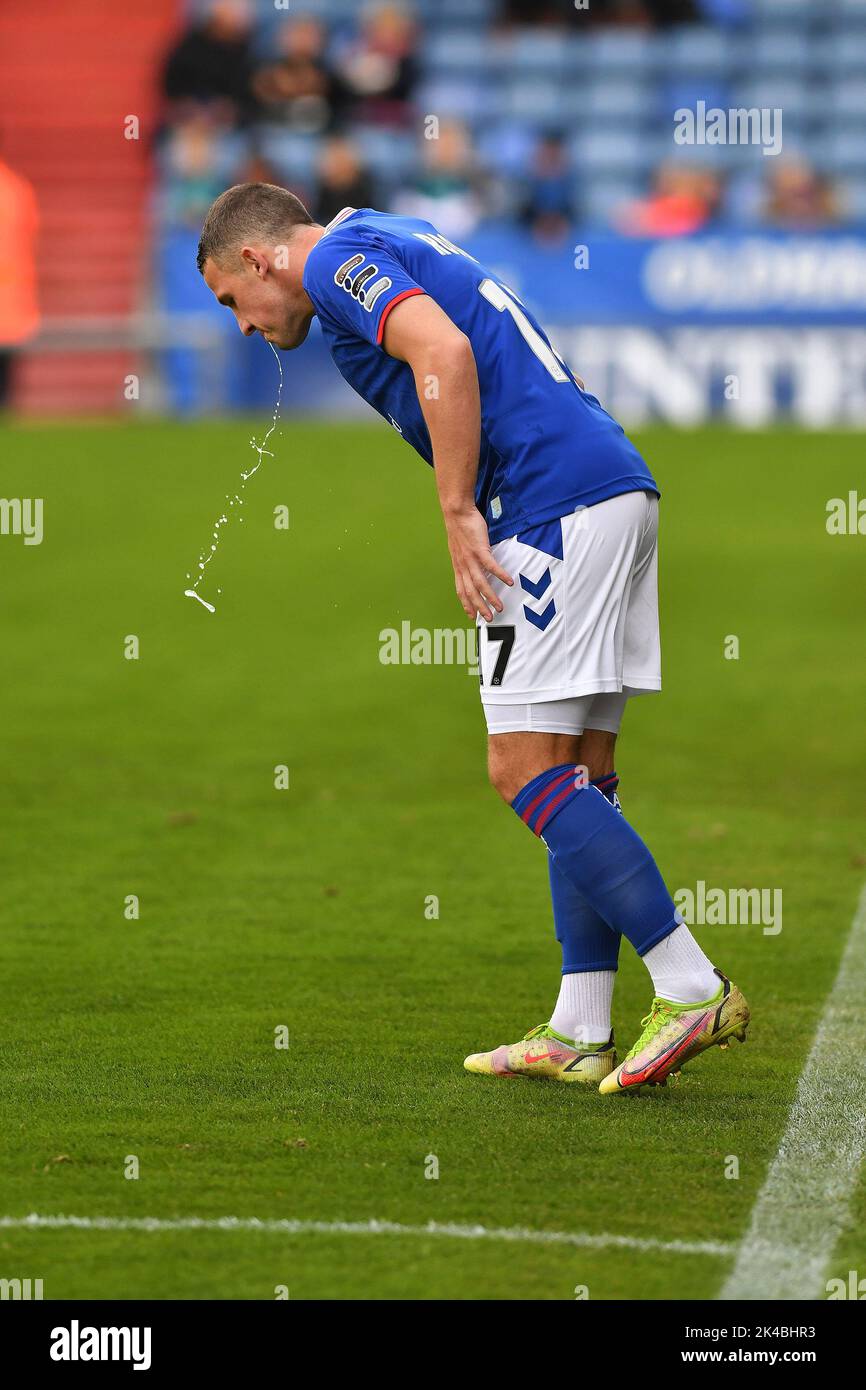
<point x="729" y="13"/>
<point x="257" y="169"/>
<point x="448" y="191"/>
<point x="799" y="198"/>
<point x="211" y="63"/>
<point x="544" y="12"/>
<point x="300" y="89"/>
<point x="327" y="79"/>
<point x="379" y="67"/>
<point x="193" y="172"/>
<point x="19" y="314"/>
<point x="682" y="200"/>
<point x="639" y="13"/>
<point x="665" y="12"/>
<point x="548" y="205"/>
<point x="343" y="180"/>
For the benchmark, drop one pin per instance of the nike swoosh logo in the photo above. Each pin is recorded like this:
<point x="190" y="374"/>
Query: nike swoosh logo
<point x="670" y="1053"/>
<point x="541" y="1057"/>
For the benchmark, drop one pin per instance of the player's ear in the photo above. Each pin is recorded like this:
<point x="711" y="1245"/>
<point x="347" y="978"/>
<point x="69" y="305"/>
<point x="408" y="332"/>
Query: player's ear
<point x="254" y="260"/>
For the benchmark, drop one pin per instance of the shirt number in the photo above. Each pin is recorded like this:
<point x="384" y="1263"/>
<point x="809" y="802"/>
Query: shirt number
<point x="502" y="300"/>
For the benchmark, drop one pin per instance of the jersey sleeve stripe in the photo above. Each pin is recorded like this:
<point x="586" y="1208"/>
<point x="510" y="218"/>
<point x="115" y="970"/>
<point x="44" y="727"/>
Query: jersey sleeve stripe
<point x="390" y="305"/>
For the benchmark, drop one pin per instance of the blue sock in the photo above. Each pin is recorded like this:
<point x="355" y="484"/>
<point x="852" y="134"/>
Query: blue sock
<point x="607" y="785"/>
<point x="595" y="848"/>
<point x="587" y="942"/>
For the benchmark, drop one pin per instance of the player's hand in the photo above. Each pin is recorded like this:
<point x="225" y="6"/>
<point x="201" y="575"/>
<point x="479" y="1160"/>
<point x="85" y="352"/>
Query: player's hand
<point x="473" y="563"/>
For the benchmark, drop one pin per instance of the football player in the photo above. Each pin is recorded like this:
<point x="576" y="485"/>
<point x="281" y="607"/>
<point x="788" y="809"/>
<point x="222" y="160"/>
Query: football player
<point x="551" y="518"/>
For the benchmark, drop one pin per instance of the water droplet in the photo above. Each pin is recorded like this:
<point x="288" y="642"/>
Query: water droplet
<point x="260" y="450"/>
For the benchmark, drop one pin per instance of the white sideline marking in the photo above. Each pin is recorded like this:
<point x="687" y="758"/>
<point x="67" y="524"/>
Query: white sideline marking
<point x="289" y="1227"/>
<point x="802" y="1207"/>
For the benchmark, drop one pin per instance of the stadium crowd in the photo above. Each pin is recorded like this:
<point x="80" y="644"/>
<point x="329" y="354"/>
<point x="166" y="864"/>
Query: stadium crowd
<point x="535" y="111"/>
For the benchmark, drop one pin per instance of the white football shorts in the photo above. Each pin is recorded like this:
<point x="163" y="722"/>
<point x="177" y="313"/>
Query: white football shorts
<point x="579" y="629"/>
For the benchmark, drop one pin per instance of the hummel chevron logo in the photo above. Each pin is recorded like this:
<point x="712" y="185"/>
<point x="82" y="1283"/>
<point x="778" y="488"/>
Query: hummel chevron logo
<point x="541" y="620"/>
<point x="539" y="587"/>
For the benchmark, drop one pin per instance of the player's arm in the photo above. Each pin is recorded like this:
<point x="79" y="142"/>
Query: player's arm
<point x="421" y="334"/>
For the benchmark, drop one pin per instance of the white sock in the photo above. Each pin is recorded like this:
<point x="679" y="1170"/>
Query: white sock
<point x="583" y="1008"/>
<point x="680" y="970"/>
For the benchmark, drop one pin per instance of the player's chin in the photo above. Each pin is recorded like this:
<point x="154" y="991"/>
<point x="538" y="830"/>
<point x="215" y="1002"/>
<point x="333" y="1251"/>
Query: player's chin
<point x="293" y="334"/>
<point x="285" y="343"/>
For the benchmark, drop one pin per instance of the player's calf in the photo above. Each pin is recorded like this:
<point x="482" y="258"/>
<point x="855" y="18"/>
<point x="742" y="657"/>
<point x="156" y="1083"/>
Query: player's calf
<point x="611" y="868"/>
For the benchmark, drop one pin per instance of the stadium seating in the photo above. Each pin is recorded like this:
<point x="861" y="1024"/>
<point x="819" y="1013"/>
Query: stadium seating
<point x="612" y="92"/>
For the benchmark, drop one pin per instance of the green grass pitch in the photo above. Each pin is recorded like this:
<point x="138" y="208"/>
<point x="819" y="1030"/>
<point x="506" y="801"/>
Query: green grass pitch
<point x="305" y="907"/>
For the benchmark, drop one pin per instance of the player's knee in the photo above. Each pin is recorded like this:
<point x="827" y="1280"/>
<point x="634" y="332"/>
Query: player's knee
<point x="514" y="759"/>
<point x="509" y="775"/>
<point x="597" y="753"/>
<point x="504" y="775"/>
<point x="595" y="766"/>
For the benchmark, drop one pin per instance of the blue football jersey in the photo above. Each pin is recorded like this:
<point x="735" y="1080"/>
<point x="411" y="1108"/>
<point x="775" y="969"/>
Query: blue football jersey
<point x="547" y="447"/>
